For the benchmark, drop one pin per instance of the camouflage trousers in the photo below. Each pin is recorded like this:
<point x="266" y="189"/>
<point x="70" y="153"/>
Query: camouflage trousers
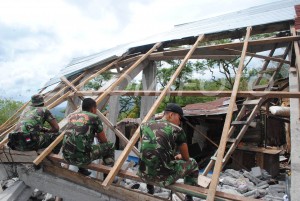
<point x="42" y="141"/>
<point x="46" y="139"/>
<point x="188" y="170"/>
<point x="106" y="151"/>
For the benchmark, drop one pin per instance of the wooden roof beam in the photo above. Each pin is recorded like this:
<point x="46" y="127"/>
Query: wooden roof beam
<point x="252" y="94"/>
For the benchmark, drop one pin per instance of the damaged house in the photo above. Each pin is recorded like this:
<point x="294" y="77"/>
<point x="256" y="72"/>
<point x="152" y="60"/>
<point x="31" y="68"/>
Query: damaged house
<point x="235" y="131"/>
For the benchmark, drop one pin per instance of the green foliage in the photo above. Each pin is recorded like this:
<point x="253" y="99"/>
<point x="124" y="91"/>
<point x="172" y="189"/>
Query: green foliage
<point x="8" y="108"/>
<point x="98" y="81"/>
<point x="130" y="105"/>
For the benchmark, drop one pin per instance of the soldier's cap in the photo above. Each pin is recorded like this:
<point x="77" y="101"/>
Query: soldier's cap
<point x="37" y="100"/>
<point x="173" y="107"/>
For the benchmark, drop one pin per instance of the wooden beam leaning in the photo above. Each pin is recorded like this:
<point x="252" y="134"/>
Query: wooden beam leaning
<point x="14" y="117"/>
<point x="50" y="100"/>
<point x="135" y="136"/>
<point x="221" y="149"/>
<point x="251" y="94"/>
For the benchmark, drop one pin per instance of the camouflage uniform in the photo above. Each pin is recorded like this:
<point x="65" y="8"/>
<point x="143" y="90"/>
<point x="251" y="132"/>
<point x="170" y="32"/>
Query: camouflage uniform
<point x="160" y="140"/>
<point x="78" y="148"/>
<point x="30" y="131"/>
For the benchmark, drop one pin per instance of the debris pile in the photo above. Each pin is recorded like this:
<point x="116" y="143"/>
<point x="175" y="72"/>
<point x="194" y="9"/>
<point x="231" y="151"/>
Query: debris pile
<point x="256" y="184"/>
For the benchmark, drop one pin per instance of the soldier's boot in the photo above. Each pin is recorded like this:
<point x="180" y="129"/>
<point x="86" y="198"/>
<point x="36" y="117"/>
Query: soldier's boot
<point x="84" y="171"/>
<point x="188" y="198"/>
<point x="150" y="189"/>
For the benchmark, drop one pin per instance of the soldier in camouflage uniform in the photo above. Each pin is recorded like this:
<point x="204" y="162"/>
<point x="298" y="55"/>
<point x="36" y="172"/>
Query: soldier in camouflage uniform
<point x="30" y="133"/>
<point x="78" y="148"/>
<point x="159" y="162"/>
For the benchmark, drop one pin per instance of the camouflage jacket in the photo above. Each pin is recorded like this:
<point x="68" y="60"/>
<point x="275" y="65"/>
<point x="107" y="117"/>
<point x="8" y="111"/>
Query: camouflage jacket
<point x="160" y="140"/>
<point x="80" y="133"/>
<point x="33" y="119"/>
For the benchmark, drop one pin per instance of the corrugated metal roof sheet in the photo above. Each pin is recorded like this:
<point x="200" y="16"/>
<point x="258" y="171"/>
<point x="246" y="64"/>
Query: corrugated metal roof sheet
<point x="265" y="14"/>
<point x="219" y="106"/>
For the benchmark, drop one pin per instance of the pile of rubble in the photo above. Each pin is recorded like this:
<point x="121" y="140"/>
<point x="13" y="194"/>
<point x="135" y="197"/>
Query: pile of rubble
<point x="256" y="184"/>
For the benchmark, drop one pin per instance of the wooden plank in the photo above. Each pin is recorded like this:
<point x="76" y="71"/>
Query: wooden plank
<point x="221" y="149"/>
<point x="250" y="94"/>
<point x="214" y="57"/>
<point x="14" y="117"/>
<point x="256" y="42"/>
<point x="251" y="102"/>
<point x="259" y="149"/>
<point x="68" y="83"/>
<point x="135" y="136"/>
<point x="59" y="93"/>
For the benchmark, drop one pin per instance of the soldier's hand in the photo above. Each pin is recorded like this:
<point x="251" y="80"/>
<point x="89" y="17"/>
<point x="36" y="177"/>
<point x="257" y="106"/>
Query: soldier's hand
<point x="178" y="157"/>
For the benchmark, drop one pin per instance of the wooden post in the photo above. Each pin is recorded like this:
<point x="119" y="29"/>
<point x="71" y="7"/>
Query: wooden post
<point x="221" y="150"/>
<point x="295" y="125"/>
<point x="135" y="136"/>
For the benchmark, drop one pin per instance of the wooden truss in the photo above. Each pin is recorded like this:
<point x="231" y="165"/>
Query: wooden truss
<point x="135" y="60"/>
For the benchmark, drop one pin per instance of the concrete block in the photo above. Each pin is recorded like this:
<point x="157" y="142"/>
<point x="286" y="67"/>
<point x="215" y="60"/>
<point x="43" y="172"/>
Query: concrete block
<point x="252" y="178"/>
<point x="16" y="191"/>
<point x="256" y="172"/>
<point x="234" y="173"/>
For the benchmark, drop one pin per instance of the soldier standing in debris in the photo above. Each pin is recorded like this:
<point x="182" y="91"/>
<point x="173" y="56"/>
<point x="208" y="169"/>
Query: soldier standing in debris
<point x="78" y="148"/>
<point x="160" y="141"/>
<point x="30" y="133"/>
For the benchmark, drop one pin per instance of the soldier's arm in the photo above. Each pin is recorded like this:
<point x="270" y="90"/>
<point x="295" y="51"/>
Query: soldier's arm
<point x="101" y="137"/>
<point x="54" y="126"/>
<point x="184" y="151"/>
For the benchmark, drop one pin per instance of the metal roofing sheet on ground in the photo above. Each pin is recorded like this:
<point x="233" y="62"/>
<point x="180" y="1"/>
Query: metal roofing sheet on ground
<point x="265" y="14"/>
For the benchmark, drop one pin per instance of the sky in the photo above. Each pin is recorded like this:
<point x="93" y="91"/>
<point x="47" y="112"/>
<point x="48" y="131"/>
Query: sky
<point x="39" y="37"/>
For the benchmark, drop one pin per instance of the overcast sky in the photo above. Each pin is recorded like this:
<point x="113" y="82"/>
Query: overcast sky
<point x="39" y="37"/>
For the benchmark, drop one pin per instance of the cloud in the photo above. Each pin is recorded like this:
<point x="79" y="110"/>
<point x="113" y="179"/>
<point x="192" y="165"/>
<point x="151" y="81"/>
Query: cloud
<point x="40" y="37"/>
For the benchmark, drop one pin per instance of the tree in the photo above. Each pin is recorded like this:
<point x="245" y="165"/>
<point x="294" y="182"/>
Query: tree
<point x="130" y="105"/>
<point x="98" y="81"/>
<point x="7" y="108"/>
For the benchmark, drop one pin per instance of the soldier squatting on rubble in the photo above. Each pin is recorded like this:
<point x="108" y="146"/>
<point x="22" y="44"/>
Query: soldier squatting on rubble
<point x="159" y="142"/>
